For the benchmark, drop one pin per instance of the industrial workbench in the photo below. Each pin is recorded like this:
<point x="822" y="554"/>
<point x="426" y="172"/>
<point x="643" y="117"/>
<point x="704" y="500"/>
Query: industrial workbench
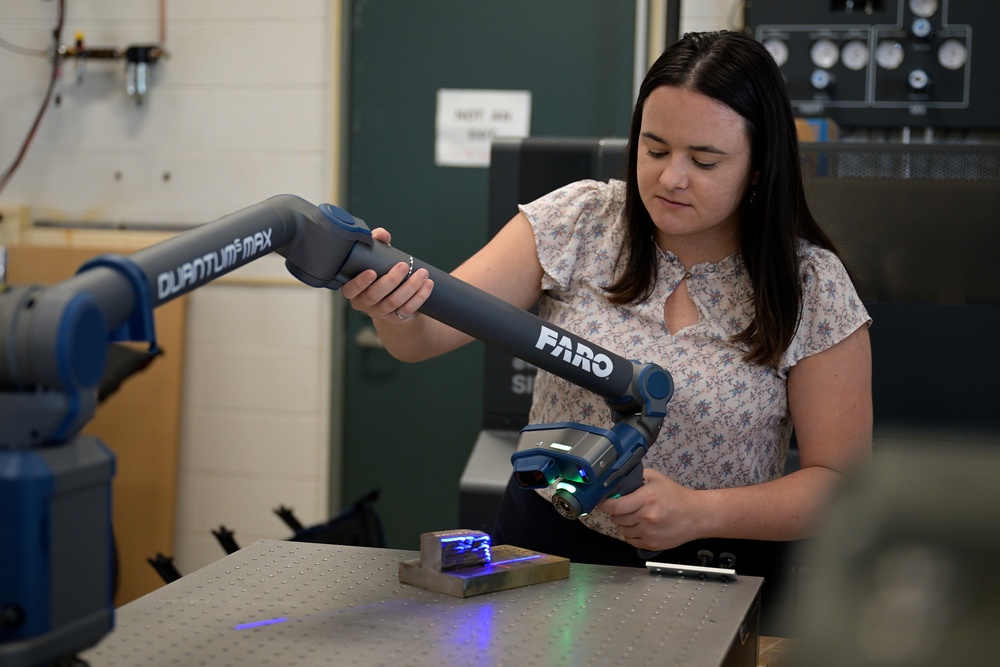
<point x="291" y="603"/>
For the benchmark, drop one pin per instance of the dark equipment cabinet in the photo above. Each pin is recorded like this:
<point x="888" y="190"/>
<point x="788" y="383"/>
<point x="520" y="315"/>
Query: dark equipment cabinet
<point x="520" y="172"/>
<point x="886" y="63"/>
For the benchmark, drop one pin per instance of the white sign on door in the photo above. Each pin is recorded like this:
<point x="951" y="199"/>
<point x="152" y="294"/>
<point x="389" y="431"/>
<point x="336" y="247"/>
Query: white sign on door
<point x="468" y="120"/>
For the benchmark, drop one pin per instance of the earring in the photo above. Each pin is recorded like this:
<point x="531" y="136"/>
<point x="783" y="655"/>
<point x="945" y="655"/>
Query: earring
<point x="753" y="195"/>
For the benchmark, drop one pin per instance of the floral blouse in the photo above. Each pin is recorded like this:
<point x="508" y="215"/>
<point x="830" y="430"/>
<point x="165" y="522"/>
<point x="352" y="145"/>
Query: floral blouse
<point x="727" y="424"/>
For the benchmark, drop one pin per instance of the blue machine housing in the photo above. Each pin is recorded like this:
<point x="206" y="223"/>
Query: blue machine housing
<point x="55" y="526"/>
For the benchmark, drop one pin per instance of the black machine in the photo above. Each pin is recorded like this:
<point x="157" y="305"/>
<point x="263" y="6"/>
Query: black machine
<point x="56" y="559"/>
<point x="886" y="63"/>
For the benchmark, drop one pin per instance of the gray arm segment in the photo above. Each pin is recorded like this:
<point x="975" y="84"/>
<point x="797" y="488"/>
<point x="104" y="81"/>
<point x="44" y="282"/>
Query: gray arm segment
<point x="323" y="246"/>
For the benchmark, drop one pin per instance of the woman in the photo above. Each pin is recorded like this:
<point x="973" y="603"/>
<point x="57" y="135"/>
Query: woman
<point x="706" y="261"/>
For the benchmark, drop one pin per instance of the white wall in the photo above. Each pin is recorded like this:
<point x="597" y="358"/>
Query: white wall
<point x="241" y="110"/>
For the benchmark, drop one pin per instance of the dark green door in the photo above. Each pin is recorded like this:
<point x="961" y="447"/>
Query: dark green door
<point x="409" y="428"/>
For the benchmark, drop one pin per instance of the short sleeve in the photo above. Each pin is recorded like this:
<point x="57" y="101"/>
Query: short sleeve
<point x="574" y="228"/>
<point x="831" y="307"/>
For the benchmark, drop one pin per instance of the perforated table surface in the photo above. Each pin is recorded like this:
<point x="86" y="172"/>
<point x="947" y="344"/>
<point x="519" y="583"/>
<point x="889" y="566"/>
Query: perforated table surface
<point x="290" y="603"/>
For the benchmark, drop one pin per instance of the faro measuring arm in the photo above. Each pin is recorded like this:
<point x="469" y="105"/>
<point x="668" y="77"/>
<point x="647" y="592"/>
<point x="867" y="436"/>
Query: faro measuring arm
<point x="53" y="348"/>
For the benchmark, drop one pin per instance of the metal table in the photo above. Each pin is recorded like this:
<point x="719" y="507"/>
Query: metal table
<point x="291" y="603"/>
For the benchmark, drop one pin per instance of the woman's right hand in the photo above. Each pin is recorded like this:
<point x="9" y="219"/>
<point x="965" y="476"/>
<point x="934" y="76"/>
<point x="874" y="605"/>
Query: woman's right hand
<point x="393" y="298"/>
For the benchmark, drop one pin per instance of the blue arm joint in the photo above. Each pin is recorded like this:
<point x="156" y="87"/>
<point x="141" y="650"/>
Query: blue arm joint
<point x="140" y="324"/>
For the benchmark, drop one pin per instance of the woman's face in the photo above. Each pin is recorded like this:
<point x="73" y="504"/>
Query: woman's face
<point x="693" y="171"/>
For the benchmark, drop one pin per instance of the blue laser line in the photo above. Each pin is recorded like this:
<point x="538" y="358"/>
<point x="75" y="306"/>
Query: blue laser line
<point x="259" y="624"/>
<point x="517" y="560"/>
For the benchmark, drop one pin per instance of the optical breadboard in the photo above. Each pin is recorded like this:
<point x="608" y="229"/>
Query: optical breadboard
<point x="290" y="603"/>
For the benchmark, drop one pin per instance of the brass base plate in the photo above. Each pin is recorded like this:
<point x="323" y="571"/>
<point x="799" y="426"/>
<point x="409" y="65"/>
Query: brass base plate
<point x="511" y="567"/>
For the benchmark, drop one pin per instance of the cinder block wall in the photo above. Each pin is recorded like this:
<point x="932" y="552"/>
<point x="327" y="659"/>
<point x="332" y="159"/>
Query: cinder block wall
<point x="242" y="109"/>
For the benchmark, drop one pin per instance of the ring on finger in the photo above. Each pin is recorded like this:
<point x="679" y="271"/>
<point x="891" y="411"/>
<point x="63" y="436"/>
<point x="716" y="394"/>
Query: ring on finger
<point x="401" y="315"/>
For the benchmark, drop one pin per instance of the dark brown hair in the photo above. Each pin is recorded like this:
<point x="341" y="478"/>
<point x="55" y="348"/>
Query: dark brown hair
<point x="737" y="71"/>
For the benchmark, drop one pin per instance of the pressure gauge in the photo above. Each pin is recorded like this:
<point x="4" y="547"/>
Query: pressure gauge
<point x="821" y="79"/>
<point x="921" y="28"/>
<point x="889" y="54"/>
<point x="952" y="54"/>
<point x="778" y="50"/>
<point x="923" y="8"/>
<point x="919" y="80"/>
<point x="854" y="55"/>
<point x="824" y="53"/>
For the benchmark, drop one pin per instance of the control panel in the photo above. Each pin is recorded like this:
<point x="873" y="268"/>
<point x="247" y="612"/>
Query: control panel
<point x="886" y="63"/>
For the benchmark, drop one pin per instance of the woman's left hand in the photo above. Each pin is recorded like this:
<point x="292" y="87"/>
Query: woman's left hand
<point x="658" y="515"/>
